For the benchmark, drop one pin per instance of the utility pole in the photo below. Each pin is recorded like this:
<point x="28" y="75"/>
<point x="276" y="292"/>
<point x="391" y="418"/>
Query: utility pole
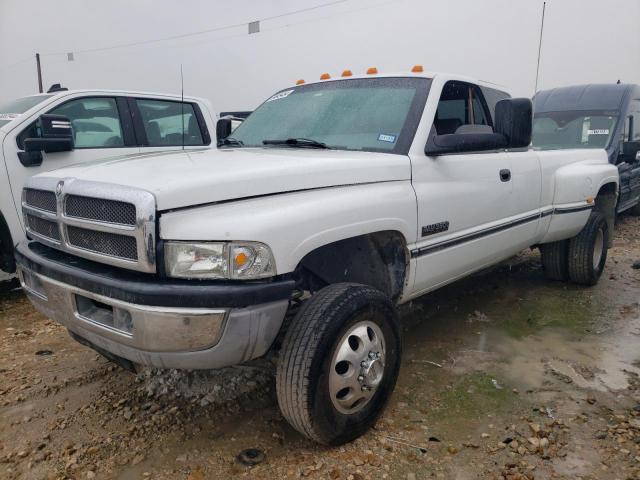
<point x="544" y="6"/>
<point x="39" y="72"/>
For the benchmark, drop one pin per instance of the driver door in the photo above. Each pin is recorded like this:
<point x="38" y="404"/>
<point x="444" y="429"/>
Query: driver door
<point x="463" y="199"/>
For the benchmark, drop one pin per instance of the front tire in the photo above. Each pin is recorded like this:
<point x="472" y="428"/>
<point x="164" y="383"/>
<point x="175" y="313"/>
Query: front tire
<point x="339" y="363"/>
<point x="588" y="251"/>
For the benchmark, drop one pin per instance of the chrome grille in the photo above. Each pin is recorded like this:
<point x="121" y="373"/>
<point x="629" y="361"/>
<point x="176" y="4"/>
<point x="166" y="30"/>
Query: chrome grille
<point x="46" y="228"/>
<point x="107" y="223"/>
<point x="101" y="210"/>
<point x="104" y="243"/>
<point x="40" y="199"/>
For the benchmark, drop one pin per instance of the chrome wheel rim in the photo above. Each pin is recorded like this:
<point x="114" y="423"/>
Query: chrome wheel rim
<point x="357" y="367"/>
<point x="598" y="248"/>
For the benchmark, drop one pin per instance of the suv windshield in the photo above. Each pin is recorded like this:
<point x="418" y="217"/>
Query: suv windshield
<point x="10" y="110"/>
<point x="574" y="129"/>
<point x="371" y="114"/>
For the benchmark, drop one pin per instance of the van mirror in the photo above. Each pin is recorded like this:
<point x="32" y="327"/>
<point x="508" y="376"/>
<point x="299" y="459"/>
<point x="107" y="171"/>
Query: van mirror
<point x="630" y="152"/>
<point x="56" y="135"/>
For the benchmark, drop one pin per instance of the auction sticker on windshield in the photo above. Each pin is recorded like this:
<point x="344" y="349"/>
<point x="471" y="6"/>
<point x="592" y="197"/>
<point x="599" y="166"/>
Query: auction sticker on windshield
<point x="386" y="138"/>
<point x="281" y="95"/>
<point x="599" y="131"/>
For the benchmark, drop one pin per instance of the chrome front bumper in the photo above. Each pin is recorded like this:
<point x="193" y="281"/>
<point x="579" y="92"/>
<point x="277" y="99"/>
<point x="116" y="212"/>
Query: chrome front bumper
<point x="165" y="337"/>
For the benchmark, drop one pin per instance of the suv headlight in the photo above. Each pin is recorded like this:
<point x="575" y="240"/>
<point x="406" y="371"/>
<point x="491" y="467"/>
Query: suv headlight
<point x="235" y="260"/>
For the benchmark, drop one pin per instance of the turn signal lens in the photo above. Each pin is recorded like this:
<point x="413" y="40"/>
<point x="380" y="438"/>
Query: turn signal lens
<point x="240" y="259"/>
<point x="325" y="76"/>
<point x="347" y="73"/>
<point x="417" y="69"/>
<point x="590" y="200"/>
<point x="300" y="82"/>
<point x="372" y="71"/>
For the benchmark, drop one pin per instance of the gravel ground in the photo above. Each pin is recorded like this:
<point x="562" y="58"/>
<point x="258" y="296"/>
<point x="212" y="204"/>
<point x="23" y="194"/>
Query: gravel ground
<point x="505" y="376"/>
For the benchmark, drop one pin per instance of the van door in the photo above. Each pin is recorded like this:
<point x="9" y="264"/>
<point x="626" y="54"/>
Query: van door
<point x="630" y="170"/>
<point x="464" y="200"/>
<point x="102" y="128"/>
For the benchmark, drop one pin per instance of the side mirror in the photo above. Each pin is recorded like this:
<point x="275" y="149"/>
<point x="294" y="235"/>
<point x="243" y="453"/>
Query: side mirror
<point x="514" y="121"/>
<point x="630" y="152"/>
<point x="224" y="127"/>
<point x="57" y="135"/>
<point x="464" y="142"/>
<point x="513" y="124"/>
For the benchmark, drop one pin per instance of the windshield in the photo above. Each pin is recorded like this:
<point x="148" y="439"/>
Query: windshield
<point x="374" y="115"/>
<point x="578" y="129"/>
<point x="10" y="110"/>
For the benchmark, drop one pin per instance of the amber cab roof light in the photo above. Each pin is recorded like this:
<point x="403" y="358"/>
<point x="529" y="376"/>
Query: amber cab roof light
<point x="346" y="73"/>
<point x="300" y="82"/>
<point x="417" y="69"/>
<point x="325" y="76"/>
<point x="372" y="71"/>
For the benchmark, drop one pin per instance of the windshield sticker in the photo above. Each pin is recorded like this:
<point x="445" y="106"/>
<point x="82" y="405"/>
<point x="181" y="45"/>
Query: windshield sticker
<point x="599" y="131"/>
<point x="386" y="138"/>
<point x="281" y="95"/>
<point x="8" y="116"/>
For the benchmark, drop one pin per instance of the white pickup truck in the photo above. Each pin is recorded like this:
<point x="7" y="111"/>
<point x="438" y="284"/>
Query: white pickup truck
<point x="331" y="204"/>
<point x="105" y="123"/>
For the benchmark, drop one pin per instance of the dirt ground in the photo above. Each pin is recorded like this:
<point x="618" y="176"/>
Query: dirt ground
<point x="505" y="376"/>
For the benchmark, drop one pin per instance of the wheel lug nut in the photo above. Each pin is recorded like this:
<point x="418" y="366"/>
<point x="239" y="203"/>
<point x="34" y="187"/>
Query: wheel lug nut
<point x="360" y="378"/>
<point x="363" y="364"/>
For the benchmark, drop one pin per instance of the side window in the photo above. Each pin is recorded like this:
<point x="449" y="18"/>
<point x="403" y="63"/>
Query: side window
<point x="452" y="110"/>
<point x="631" y="131"/>
<point x="492" y="97"/>
<point x="95" y="121"/>
<point x="460" y="104"/>
<point x="635" y="112"/>
<point x="165" y="121"/>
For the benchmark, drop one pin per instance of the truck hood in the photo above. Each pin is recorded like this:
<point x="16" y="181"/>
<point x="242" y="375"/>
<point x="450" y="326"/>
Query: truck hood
<point x="189" y="178"/>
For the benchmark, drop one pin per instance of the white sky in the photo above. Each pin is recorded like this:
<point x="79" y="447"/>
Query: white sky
<point x="584" y="41"/>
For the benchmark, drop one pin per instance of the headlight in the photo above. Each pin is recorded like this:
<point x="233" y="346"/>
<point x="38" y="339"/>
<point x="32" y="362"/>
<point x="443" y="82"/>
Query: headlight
<point x="236" y="260"/>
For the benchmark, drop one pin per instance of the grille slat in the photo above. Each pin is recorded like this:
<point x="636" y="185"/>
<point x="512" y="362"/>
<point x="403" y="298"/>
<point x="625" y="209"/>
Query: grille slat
<point x="104" y="243"/>
<point x="41" y="199"/>
<point x="46" y="228"/>
<point x="100" y="210"/>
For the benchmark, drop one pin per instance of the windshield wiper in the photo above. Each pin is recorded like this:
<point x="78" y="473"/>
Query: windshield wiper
<point x="298" y="142"/>
<point x="231" y="142"/>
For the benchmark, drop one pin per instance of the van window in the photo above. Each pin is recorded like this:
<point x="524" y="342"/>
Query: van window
<point x="164" y="122"/>
<point x="573" y="129"/>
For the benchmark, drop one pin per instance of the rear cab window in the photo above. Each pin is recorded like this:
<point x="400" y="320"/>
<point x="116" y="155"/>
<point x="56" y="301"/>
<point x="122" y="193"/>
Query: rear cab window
<point x="169" y="123"/>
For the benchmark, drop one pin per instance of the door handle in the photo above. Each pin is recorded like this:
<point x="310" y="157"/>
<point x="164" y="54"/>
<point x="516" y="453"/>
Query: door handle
<point x="505" y="175"/>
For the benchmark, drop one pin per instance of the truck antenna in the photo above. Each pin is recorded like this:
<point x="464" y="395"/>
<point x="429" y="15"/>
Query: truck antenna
<point x="182" y="103"/>
<point x="544" y="6"/>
